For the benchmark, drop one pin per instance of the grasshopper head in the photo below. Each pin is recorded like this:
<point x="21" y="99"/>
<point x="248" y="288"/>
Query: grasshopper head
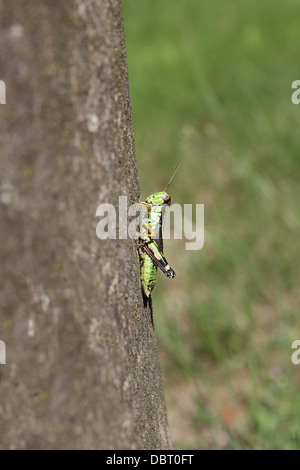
<point x="159" y="199"/>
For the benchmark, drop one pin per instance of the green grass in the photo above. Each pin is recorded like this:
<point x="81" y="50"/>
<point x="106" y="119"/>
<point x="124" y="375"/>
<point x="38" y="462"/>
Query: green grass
<point x="210" y="86"/>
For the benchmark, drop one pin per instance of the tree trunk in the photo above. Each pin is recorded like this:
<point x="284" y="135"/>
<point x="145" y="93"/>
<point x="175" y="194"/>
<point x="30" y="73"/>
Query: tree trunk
<point x="82" y="368"/>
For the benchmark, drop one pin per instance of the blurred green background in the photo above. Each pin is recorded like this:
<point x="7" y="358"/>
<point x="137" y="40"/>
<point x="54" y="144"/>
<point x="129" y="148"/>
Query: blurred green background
<point x="210" y="85"/>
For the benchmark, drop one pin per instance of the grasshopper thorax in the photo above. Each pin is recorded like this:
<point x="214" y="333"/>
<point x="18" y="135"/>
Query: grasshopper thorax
<point x="159" y="199"/>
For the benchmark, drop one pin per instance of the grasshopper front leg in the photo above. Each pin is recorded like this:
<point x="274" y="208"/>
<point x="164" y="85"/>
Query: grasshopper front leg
<point x="144" y="204"/>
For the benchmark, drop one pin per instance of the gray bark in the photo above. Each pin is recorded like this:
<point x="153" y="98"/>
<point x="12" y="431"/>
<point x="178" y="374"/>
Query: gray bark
<point x="82" y="368"/>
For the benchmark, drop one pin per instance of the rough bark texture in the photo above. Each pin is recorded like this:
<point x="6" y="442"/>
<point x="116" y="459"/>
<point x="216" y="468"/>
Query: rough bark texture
<point x="82" y="368"/>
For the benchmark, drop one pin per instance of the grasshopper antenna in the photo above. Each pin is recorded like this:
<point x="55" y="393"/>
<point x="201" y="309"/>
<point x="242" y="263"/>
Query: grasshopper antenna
<point x="174" y="173"/>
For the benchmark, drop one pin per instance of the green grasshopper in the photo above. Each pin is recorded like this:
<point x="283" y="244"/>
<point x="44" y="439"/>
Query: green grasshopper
<point x="151" y="238"/>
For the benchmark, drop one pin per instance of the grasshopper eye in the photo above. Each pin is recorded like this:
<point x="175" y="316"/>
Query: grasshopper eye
<point x="166" y="198"/>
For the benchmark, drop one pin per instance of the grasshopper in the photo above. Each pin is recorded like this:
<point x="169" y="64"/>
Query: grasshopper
<point x="151" y="238"/>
